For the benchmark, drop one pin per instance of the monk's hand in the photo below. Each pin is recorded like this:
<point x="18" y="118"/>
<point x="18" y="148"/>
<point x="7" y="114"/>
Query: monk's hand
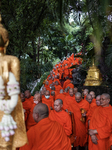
<point x="66" y="110"/>
<point x="94" y="139"/>
<point x="92" y="132"/>
<point x="84" y="115"/>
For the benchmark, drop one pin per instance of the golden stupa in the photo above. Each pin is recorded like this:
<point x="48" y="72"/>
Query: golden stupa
<point x="94" y="77"/>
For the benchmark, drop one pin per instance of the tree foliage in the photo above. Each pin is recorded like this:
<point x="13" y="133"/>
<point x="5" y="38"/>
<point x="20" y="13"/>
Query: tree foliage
<point x="41" y="31"/>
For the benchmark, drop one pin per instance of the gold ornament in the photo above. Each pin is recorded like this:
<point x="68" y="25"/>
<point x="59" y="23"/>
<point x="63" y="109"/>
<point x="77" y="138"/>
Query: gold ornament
<point x="94" y="77"/>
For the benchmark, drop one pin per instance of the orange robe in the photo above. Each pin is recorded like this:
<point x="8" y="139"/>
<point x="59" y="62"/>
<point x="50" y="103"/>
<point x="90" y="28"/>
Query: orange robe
<point x="60" y="96"/>
<point x="94" y="100"/>
<point x="48" y="101"/>
<point x="68" y="99"/>
<point x="80" y="127"/>
<point x="47" y="135"/>
<point x="58" y="88"/>
<point x="92" y="104"/>
<point x="58" y="81"/>
<point x="70" y="85"/>
<point x="47" y="87"/>
<point x="84" y="97"/>
<point x="30" y="99"/>
<point x="63" y="118"/>
<point x="83" y="104"/>
<point x="30" y="121"/>
<point x="66" y="71"/>
<point x="50" y="82"/>
<point x="27" y="106"/>
<point x="60" y="72"/>
<point x="90" y="112"/>
<point x="101" y="120"/>
<point x="66" y="83"/>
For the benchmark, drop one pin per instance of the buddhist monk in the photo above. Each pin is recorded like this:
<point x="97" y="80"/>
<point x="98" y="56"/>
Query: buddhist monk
<point x="46" y="134"/>
<point x="92" y="93"/>
<point x="26" y="105"/>
<point x="53" y="95"/>
<point x="61" y="116"/>
<point x="100" y="125"/>
<point x="28" y="96"/>
<point x="61" y="95"/>
<point x="80" y="125"/>
<point x="48" y="100"/>
<point x="30" y="121"/>
<point x="66" y="82"/>
<point x="70" y="85"/>
<point x="66" y="91"/>
<point x="90" y="101"/>
<point x="47" y="86"/>
<point x="69" y="99"/>
<point x="85" y="93"/>
<point x="57" y="87"/>
<point x="36" y="92"/>
<point x="75" y="90"/>
<point x="91" y="110"/>
<point x="56" y="79"/>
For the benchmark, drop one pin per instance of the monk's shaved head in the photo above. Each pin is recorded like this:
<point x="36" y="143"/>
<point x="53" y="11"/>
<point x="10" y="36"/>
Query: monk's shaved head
<point x="52" y="93"/>
<point x="60" y="101"/>
<point x="36" y="92"/>
<point x="92" y="94"/>
<point x="105" y="99"/>
<point x="89" y="98"/>
<point x="46" y="82"/>
<point x="47" y="93"/>
<point x="78" y="97"/>
<point x="61" y="91"/>
<point x="71" y="92"/>
<point x="106" y="95"/>
<point x="37" y="98"/>
<point x="75" y="90"/>
<point x="58" y="105"/>
<point x="98" y="98"/>
<point x="27" y="94"/>
<point x="56" y="82"/>
<point x="78" y="94"/>
<point x="40" y="112"/>
<point x="85" y="92"/>
<point x="53" y="88"/>
<point x="44" y="88"/>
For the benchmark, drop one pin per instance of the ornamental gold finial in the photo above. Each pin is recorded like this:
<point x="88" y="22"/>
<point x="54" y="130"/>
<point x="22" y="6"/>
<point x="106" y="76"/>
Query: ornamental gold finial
<point x="94" y="77"/>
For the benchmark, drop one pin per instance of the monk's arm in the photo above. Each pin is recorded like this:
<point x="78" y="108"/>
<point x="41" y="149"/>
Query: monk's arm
<point x="103" y="132"/>
<point x="92" y="132"/>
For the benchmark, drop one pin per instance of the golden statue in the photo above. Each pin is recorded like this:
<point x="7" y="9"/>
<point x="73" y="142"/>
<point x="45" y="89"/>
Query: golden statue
<point x="94" y="77"/>
<point x="11" y="110"/>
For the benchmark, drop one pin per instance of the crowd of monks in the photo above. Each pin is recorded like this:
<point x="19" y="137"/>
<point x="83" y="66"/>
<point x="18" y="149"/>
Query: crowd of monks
<point x="59" y="117"/>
